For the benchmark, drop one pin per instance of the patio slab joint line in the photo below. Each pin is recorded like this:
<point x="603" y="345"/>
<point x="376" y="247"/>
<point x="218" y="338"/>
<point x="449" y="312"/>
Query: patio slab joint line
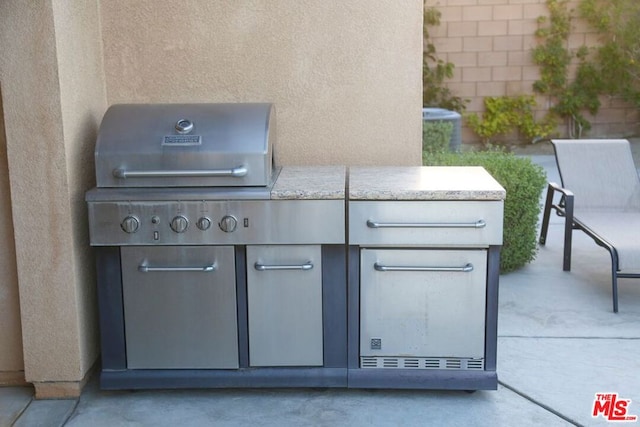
<point x="71" y="412"/>
<point x="17" y="417"/>
<point x="540" y="404"/>
<point x="62" y="424"/>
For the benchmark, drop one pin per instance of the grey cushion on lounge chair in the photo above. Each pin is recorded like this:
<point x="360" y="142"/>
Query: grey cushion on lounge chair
<point x="601" y="196"/>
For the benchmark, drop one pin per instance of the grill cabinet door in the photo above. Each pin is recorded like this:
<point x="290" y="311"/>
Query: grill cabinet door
<point x="180" y="307"/>
<point x="284" y="291"/>
<point x="414" y="313"/>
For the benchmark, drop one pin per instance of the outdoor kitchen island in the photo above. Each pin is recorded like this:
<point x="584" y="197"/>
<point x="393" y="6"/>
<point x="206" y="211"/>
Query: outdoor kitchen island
<point x="278" y="297"/>
<point x="424" y="257"/>
<point x="257" y="301"/>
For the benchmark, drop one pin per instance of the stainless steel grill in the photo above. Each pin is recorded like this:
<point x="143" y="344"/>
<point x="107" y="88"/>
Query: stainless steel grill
<point x="168" y="180"/>
<point x="200" y="272"/>
<point x="167" y="174"/>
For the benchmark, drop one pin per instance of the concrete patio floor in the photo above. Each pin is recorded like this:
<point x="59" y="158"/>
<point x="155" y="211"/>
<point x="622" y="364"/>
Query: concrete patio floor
<point x="559" y="344"/>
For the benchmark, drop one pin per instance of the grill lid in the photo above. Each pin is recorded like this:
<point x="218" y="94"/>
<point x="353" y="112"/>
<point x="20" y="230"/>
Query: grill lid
<point x="185" y="145"/>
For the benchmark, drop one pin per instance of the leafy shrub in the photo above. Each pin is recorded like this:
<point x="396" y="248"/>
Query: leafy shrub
<point x="504" y="114"/>
<point x="436" y="136"/>
<point x="524" y="182"/>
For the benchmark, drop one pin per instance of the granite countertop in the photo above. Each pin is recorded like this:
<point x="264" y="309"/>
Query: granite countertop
<point x="310" y="183"/>
<point x="423" y="183"/>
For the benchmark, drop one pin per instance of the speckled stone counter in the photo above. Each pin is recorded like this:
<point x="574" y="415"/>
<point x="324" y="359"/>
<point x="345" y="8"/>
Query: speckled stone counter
<point x="423" y="183"/>
<point x="310" y="183"/>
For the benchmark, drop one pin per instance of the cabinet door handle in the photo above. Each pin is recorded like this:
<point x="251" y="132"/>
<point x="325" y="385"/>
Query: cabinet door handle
<point x="143" y="268"/>
<point x="464" y="269"/>
<point x="478" y="224"/>
<point x="265" y="267"/>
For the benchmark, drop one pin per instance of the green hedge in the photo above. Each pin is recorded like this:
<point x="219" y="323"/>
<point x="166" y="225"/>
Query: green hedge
<point x="436" y="136"/>
<point x="524" y="182"/>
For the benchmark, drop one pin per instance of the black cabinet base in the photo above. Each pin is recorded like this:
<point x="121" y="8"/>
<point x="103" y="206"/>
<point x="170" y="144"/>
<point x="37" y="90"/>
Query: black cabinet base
<point x="241" y="378"/>
<point x="298" y="378"/>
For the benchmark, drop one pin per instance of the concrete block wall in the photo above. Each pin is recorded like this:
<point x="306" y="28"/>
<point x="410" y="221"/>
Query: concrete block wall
<point x="490" y="42"/>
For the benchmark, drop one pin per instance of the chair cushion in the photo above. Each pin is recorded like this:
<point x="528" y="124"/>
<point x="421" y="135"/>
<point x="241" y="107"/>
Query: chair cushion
<point x="620" y="229"/>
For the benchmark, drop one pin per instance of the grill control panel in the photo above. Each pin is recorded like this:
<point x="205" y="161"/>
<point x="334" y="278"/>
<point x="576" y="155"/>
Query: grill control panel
<point x="216" y="222"/>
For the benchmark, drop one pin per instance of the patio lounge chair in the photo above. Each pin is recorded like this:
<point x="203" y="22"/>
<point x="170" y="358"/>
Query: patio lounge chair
<point x="600" y="195"/>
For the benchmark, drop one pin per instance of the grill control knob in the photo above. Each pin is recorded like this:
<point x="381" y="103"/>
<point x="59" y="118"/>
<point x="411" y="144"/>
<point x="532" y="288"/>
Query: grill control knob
<point x="203" y="223"/>
<point x="130" y="224"/>
<point x="228" y="223"/>
<point x="179" y="224"/>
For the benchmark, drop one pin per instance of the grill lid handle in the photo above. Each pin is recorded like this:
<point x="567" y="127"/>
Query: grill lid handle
<point x="236" y="172"/>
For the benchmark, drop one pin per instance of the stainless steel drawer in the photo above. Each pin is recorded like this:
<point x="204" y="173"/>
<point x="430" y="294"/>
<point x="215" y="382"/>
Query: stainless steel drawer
<point x="425" y="223"/>
<point x="284" y="292"/>
<point x="423" y="303"/>
<point x="180" y="307"/>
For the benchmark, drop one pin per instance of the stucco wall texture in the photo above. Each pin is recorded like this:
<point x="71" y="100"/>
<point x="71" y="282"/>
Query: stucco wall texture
<point x="491" y="43"/>
<point x="11" y="363"/>
<point x="345" y="76"/>
<point x="53" y="96"/>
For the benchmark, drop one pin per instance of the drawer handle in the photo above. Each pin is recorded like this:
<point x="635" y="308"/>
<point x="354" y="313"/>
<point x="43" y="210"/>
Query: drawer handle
<point x="465" y="269"/>
<point x="478" y="224"/>
<point x="143" y="268"/>
<point x="265" y="267"/>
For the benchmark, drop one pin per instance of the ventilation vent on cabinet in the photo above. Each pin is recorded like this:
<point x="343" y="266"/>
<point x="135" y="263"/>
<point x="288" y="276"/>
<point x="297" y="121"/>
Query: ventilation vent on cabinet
<point x="390" y="363"/>
<point x="422" y="363"/>
<point x="411" y="363"/>
<point x="453" y="364"/>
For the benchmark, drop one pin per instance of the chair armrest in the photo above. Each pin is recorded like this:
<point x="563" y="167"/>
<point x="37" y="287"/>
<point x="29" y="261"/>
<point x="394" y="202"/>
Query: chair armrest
<point x="564" y="191"/>
<point x="563" y="209"/>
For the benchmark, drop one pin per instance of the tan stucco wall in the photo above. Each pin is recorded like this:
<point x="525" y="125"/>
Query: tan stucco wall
<point x="53" y="98"/>
<point x="11" y="363"/>
<point x="83" y="103"/>
<point x="345" y="76"/>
